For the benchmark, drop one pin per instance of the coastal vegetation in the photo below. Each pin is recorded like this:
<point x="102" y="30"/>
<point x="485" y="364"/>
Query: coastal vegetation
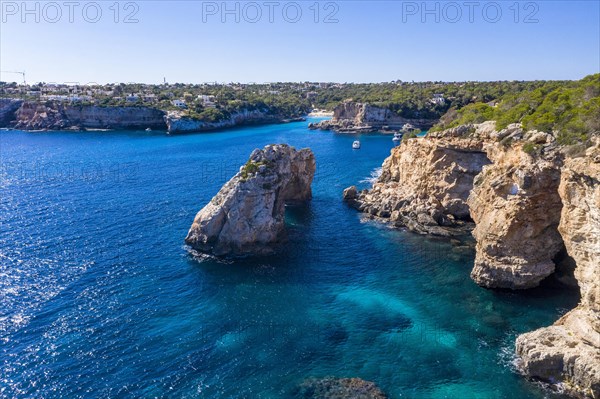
<point x="568" y="110"/>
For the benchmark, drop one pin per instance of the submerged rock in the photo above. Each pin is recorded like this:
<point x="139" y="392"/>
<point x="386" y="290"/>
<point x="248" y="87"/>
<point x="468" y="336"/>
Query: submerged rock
<point x="339" y="388"/>
<point x="569" y="350"/>
<point x="247" y="214"/>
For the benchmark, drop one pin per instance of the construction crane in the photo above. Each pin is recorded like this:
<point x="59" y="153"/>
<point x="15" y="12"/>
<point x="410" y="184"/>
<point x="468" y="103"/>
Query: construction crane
<point x="19" y="72"/>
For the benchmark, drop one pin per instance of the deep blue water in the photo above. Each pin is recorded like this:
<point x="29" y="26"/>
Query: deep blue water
<point x="100" y="298"/>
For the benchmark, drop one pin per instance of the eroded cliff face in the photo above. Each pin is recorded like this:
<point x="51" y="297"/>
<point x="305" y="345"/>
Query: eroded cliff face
<point x="55" y="116"/>
<point x="425" y="183"/>
<point x="353" y="117"/>
<point x="177" y="122"/>
<point x="569" y="350"/>
<point x="516" y="209"/>
<point x="247" y="214"/>
<point x="528" y="202"/>
<point x="94" y="117"/>
<point x="440" y="183"/>
<point x="8" y="107"/>
<point x="36" y="116"/>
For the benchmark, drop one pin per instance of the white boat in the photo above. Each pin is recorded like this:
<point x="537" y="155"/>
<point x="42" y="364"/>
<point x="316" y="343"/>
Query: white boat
<point x="356" y="145"/>
<point x="148" y="130"/>
<point x="397" y="137"/>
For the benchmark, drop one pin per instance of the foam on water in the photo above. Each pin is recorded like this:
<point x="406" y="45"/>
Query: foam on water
<point x="375" y="175"/>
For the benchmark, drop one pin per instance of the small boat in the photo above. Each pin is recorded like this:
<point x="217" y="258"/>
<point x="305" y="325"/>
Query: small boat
<point x="148" y="129"/>
<point x="397" y="136"/>
<point x="356" y="145"/>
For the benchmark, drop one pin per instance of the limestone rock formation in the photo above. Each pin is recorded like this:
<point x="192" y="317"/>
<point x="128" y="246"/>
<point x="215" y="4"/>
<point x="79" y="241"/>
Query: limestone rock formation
<point x="355" y="117"/>
<point x="247" y="214"/>
<point x="35" y="116"/>
<point x="96" y="117"/>
<point x="425" y="182"/>
<point x="569" y="351"/>
<point x="339" y="388"/>
<point x="516" y="209"/>
<point x="31" y="115"/>
<point x="441" y="183"/>
<point x="56" y="115"/>
<point x="528" y="203"/>
<point x="179" y="122"/>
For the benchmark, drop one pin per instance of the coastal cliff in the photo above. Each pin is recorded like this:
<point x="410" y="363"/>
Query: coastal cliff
<point x="473" y="177"/>
<point x="53" y="115"/>
<point x="527" y="201"/>
<point x="569" y="350"/>
<point x="355" y="117"/>
<point x="178" y="122"/>
<point x="247" y="214"/>
<point x="425" y="183"/>
<point x="516" y="208"/>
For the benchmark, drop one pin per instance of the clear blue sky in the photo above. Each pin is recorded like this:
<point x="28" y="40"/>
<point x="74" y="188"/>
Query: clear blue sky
<point x="371" y="42"/>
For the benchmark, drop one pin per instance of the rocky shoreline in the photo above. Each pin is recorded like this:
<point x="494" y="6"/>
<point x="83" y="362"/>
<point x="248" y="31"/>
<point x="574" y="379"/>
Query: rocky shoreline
<point x="37" y="116"/>
<point x="355" y="117"/>
<point x="569" y="350"/>
<point x="526" y="203"/>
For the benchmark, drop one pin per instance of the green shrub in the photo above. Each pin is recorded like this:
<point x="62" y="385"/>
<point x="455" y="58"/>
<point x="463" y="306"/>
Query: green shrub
<point x="251" y="168"/>
<point x="507" y="141"/>
<point x="409" y="135"/>
<point x="568" y="110"/>
<point x="530" y="148"/>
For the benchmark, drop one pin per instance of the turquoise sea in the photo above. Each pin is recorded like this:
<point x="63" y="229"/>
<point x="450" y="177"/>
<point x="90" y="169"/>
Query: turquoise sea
<point x="99" y="297"/>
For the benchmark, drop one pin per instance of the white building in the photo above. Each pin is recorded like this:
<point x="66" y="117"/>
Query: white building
<point x="179" y="103"/>
<point x="438" y="99"/>
<point x="207" y="101"/>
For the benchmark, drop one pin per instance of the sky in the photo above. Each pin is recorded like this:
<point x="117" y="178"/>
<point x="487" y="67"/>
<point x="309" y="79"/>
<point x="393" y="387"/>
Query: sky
<point x="271" y="41"/>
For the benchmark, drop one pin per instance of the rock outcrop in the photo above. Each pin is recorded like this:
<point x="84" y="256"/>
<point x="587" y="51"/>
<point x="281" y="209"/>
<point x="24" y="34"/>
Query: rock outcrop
<point x="37" y="116"/>
<point x="516" y="209"/>
<point x="247" y="214"/>
<point x="425" y="182"/>
<point x="339" y="388"/>
<point x="442" y="183"/>
<point x="569" y="350"/>
<point x="355" y="117"/>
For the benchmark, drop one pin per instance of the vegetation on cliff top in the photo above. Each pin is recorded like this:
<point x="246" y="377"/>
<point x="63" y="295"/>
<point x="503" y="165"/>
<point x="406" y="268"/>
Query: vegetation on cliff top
<point x="568" y="110"/>
<point x="416" y="100"/>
